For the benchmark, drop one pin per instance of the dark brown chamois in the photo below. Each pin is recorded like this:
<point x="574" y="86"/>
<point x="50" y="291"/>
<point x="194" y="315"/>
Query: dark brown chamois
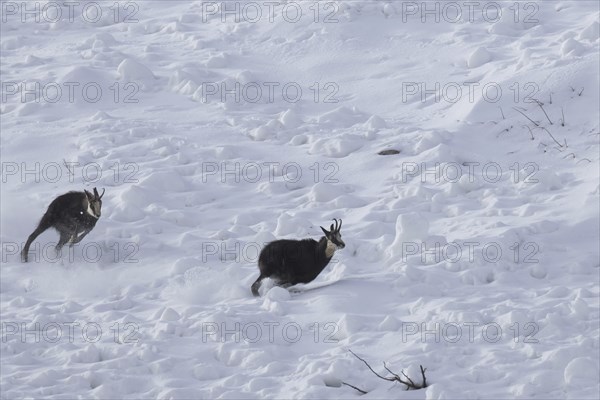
<point x="289" y="262"/>
<point x="73" y="215"/>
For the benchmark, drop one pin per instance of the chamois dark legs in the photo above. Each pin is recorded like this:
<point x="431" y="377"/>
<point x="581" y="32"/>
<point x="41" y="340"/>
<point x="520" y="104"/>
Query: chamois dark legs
<point x="79" y="238"/>
<point x="256" y="285"/>
<point x="64" y="238"/>
<point x="44" y="224"/>
<point x="67" y="229"/>
<point x="67" y="235"/>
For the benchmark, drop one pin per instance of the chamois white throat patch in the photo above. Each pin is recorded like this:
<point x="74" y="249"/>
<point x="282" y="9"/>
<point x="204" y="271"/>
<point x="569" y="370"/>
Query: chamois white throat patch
<point x="330" y="249"/>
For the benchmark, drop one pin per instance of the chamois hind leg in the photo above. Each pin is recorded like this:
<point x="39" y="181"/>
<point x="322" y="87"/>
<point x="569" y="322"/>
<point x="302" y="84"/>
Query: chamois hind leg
<point x="256" y="285"/>
<point x="44" y="224"/>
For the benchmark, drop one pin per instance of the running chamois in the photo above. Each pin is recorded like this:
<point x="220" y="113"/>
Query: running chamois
<point x="289" y="262"/>
<point x="73" y="215"/>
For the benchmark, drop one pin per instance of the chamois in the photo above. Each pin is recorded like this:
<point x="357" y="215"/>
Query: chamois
<point x="289" y="262"/>
<point x="73" y="215"/>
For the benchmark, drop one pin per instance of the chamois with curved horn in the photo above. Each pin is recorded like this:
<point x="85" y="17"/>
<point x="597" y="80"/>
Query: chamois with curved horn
<point x="289" y="262"/>
<point x="73" y="215"/>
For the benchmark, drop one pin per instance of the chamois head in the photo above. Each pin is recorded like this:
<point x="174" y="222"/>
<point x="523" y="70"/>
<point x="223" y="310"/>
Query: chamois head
<point x="94" y="202"/>
<point x="334" y="235"/>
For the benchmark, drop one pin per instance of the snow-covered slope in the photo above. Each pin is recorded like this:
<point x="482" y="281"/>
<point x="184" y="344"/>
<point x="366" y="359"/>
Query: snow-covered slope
<point x="218" y="127"/>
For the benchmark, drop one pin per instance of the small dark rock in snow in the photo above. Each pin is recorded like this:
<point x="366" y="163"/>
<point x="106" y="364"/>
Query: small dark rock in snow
<point x="388" y="152"/>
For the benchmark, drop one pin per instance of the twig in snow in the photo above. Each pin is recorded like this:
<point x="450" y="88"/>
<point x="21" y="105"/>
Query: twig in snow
<point x="504" y="130"/>
<point x="70" y="172"/>
<point x="530" y="131"/>
<point x="367" y="364"/>
<point x="409" y="383"/>
<point x="553" y="138"/>
<point x="354" y="387"/>
<point x="539" y="103"/>
<point x="523" y="114"/>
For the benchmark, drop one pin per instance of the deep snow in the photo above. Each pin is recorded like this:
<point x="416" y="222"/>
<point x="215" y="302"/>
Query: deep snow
<point x="473" y="252"/>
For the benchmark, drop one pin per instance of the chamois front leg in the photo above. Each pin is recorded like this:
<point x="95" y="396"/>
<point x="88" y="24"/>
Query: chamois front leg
<point x="76" y="239"/>
<point x="64" y="238"/>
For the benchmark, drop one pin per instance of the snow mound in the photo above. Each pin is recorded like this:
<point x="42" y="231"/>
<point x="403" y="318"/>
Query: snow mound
<point x="130" y="70"/>
<point x="580" y="370"/>
<point x="479" y="57"/>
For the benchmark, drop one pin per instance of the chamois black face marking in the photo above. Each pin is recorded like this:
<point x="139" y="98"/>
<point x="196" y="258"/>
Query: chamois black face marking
<point x="72" y="214"/>
<point x="289" y="262"/>
<point x="94" y="203"/>
<point x="334" y="234"/>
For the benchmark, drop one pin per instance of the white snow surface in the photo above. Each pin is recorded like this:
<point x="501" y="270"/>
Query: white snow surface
<point x="155" y="302"/>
